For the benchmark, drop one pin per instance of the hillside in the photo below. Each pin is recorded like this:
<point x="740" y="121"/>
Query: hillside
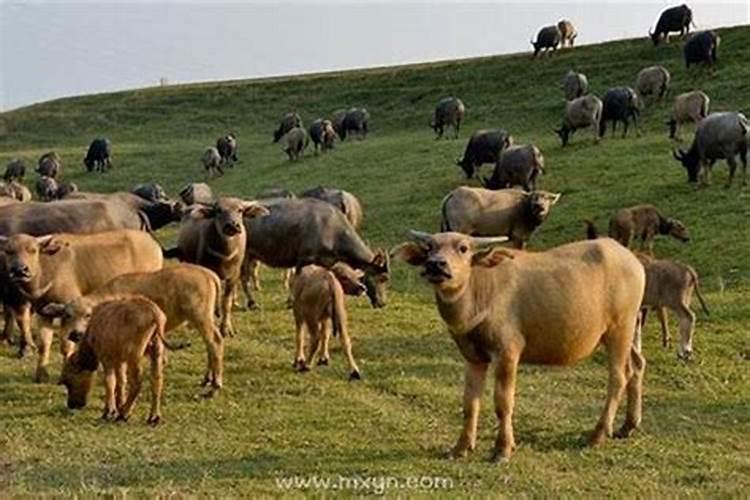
<point x="271" y="422"/>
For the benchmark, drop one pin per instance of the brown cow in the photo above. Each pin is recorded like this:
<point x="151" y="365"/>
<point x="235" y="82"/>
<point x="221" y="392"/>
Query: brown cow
<point x="508" y="306"/>
<point x="185" y="292"/>
<point x="644" y="222"/>
<point x="120" y="333"/>
<point x="214" y="237"/>
<point x="318" y="296"/>
<point x="62" y="267"/>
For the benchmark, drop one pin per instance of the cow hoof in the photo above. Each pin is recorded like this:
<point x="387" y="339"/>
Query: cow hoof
<point x="625" y="431"/>
<point x="122" y="418"/>
<point x="597" y="438"/>
<point x="301" y="367"/>
<point x="252" y="305"/>
<point x="457" y="452"/>
<point x="500" y="457"/>
<point x="154" y="420"/>
<point x="110" y="415"/>
<point x="41" y="376"/>
<point x="355" y="375"/>
<point x="323" y="362"/>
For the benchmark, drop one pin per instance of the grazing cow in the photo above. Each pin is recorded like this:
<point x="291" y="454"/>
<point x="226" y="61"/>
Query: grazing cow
<point x="150" y="191"/>
<point x="484" y="146"/>
<point x="568" y="33"/>
<point x="226" y="146"/>
<point x="702" y="48"/>
<point x="574" y="85"/>
<point x="337" y="119"/>
<point x="49" y="164"/>
<point x="212" y="160"/>
<point x="670" y="285"/>
<point x="449" y="112"/>
<point x="549" y="37"/>
<point x="507" y="212"/>
<point x="690" y="106"/>
<point x="120" y="333"/>
<point x="99" y="155"/>
<point x="719" y="136"/>
<point x="673" y="19"/>
<point x="584" y="111"/>
<point x="46" y="188"/>
<point x="16" y="190"/>
<point x="15" y="170"/>
<point x="295" y="143"/>
<point x="652" y="81"/>
<point x="318" y="296"/>
<point x="517" y="166"/>
<point x="214" y="236"/>
<point x="310" y="231"/>
<point x="287" y="123"/>
<point x="508" y="306"/>
<point x="62" y="267"/>
<point x="343" y="200"/>
<point x="322" y="134"/>
<point x="356" y="122"/>
<point x="153" y="215"/>
<point x="185" y="292"/>
<point x="643" y="222"/>
<point x="196" y="193"/>
<point x="620" y="104"/>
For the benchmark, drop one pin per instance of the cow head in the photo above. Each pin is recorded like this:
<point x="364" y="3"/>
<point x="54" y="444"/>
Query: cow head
<point x="350" y="279"/>
<point x="564" y="134"/>
<point x="160" y="213"/>
<point x="447" y="259"/>
<point x="23" y="254"/>
<point x="228" y="214"/>
<point x="376" y="278"/>
<point x="78" y="374"/>
<point x="88" y="162"/>
<point x="540" y="203"/>
<point x="74" y="317"/>
<point x="466" y="165"/>
<point x="278" y="134"/>
<point x="690" y="161"/>
<point x="675" y="229"/>
<point x="655" y="37"/>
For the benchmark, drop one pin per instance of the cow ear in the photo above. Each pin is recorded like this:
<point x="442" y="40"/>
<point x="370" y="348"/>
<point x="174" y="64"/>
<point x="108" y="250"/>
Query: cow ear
<point x="553" y="198"/>
<point x="50" y="245"/>
<point x="491" y="257"/>
<point x="254" y="209"/>
<point x="52" y="310"/>
<point x="201" y="211"/>
<point x="350" y="286"/>
<point x="411" y="253"/>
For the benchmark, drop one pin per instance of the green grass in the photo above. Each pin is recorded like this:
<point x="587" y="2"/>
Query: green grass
<point x="271" y="423"/>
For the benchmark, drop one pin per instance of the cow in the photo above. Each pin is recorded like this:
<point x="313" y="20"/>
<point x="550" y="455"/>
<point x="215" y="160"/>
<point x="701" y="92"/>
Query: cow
<point x="702" y="48"/>
<point x="337" y="119"/>
<point x="652" y="81"/>
<point x="185" y="292"/>
<point x="574" y="85"/>
<point x="212" y="161"/>
<point x="584" y="111"/>
<point x="65" y="189"/>
<point x="226" y="146"/>
<point x="61" y="267"/>
<point x="518" y="166"/>
<point x="671" y="20"/>
<point x="295" y="143"/>
<point x="99" y="155"/>
<point x="322" y="134"/>
<point x="120" y="333"/>
<point x="318" y="297"/>
<point x="568" y="33"/>
<point x="719" y="136"/>
<point x="46" y="188"/>
<point x="15" y="170"/>
<point x="507" y="212"/>
<point x="343" y="200"/>
<point x="214" y="236"/>
<point x="644" y="223"/>
<point x="310" y="231"/>
<point x="287" y="123"/>
<point x="484" y="146"/>
<point x="16" y="190"/>
<point x="509" y="307"/>
<point x="152" y="215"/>
<point x="356" y="122"/>
<point x="150" y="191"/>
<point x="449" y="112"/>
<point x="688" y="107"/>
<point x="196" y="193"/>
<point x="49" y="164"/>
<point x="549" y="37"/>
<point x="620" y="104"/>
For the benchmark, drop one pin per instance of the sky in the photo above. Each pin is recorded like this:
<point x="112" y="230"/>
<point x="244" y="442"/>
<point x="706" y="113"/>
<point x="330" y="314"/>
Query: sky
<point x="51" y="49"/>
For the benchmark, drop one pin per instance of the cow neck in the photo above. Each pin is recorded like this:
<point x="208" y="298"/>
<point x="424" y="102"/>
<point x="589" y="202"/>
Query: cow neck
<point x="464" y="309"/>
<point x="222" y="252"/>
<point x="33" y="291"/>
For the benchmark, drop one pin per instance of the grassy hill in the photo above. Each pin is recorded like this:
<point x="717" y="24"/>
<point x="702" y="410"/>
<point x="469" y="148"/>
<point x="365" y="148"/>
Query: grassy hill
<point x="271" y="423"/>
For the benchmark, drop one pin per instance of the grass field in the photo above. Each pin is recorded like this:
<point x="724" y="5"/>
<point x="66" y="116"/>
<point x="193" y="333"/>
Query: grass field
<point x="271" y="425"/>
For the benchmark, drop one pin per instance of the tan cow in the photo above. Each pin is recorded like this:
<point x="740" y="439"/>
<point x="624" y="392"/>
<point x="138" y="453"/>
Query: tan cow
<point x="14" y="189"/>
<point x="509" y="306"/>
<point x="214" y="237"/>
<point x="62" y="267"/>
<point x="688" y="107"/>
<point x="120" y="333"/>
<point x="318" y="296"/>
<point x="670" y="285"/>
<point x="185" y="292"/>
<point x="568" y="33"/>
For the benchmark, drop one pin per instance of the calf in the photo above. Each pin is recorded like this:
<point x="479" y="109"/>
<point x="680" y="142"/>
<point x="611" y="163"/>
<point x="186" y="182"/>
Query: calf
<point x="318" y="297"/>
<point x="150" y="191"/>
<point x="295" y="143"/>
<point x="322" y="134"/>
<point x="226" y="146"/>
<point x="688" y="107"/>
<point x="620" y="104"/>
<point x="212" y="160"/>
<point x="584" y="111"/>
<point x="518" y="166"/>
<point x="507" y="212"/>
<point x="484" y="146"/>
<point x="568" y="33"/>
<point x="549" y="37"/>
<point x="120" y="333"/>
<point x="642" y="222"/>
<point x="448" y="113"/>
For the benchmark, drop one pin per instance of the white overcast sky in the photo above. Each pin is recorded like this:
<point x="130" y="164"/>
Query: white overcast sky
<point x="52" y="49"/>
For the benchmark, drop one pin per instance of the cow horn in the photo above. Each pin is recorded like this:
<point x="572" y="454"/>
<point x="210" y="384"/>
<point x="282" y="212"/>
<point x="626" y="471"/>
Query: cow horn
<point x="419" y="236"/>
<point x="487" y="241"/>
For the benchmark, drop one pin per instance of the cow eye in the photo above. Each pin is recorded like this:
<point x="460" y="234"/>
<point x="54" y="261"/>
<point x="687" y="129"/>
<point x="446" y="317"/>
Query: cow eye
<point x="463" y="248"/>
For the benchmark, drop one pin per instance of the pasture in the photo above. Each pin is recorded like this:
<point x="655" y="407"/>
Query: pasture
<point x="270" y="423"/>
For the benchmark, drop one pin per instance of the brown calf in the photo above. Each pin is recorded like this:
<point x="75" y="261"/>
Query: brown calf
<point x="644" y="222"/>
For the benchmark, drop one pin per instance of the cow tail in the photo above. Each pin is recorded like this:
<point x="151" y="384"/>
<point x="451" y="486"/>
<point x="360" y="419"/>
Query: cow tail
<point x="445" y="225"/>
<point x="694" y="275"/>
<point x="591" y="232"/>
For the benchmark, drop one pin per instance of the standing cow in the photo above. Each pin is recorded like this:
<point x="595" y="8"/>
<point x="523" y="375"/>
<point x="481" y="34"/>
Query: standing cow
<point x="212" y="161"/>
<point x="568" y="33"/>
<point x="449" y="112"/>
<point x="99" y="155"/>
<point x="620" y="104"/>
<point x="226" y="146"/>
<point x="484" y="146"/>
<point x="356" y="122"/>
<point x="518" y="166"/>
<point x="688" y="107"/>
<point x="702" y="48"/>
<point x="49" y="164"/>
<point x="295" y="143"/>
<point x="15" y="170"/>
<point x="287" y="123"/>
<point x="674" y="19"/>
<point x="652" y="81"/>
<point x="585" y="111"/>
<point x="574" y="85"/>
<point x="548" y="38"/>
<point x="322" y="134"/>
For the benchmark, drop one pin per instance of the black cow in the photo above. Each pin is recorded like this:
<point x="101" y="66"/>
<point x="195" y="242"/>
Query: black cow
<point x="672" y="20"/>
<point x="620" y="104"/>
<point x="484" y="146"/>
<point x="548" y="37"/>
<point x="99" y="155"/>
<point x="701" y="48"/>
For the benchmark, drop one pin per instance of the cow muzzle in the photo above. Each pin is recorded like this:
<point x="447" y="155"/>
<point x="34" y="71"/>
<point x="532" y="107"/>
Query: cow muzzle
<point x="20" y="274"/>
<point x="231" y="229"/>
<point x="436" y="271"/>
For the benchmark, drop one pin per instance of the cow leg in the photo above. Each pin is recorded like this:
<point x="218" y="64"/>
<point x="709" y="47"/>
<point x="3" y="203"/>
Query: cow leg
<point x="618" y="343"/>
<point x="686" y="318"/>
<point x="23" y="320"/>
<point x="666" y="338"/>
<point x="505" y="389"/>
<point x="46" y="334"/>
<point x="732" y="168"/>
<point x="287" y="278"/>
<point x="325" y="338"/>
<point x="225" y="327"/>
<point x="614" y="127"/>
<point x="625" y="131"/>
<point x="473" y="385"/>
<point x="743" y="159"/>
<point x="7" y="335"/>
<point x="248" y="272"/>
<point x="214" y="353"/>
<point x="134" y="387"/>
<point x="121" y="386"/>
<point x="634" y="411"/>
<point x="313" y="327"/>
<point x="300" y="364"/>
<point x="110" y="386"/>
<point x="156" y="353"/>
<point x="346" y="346"/>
